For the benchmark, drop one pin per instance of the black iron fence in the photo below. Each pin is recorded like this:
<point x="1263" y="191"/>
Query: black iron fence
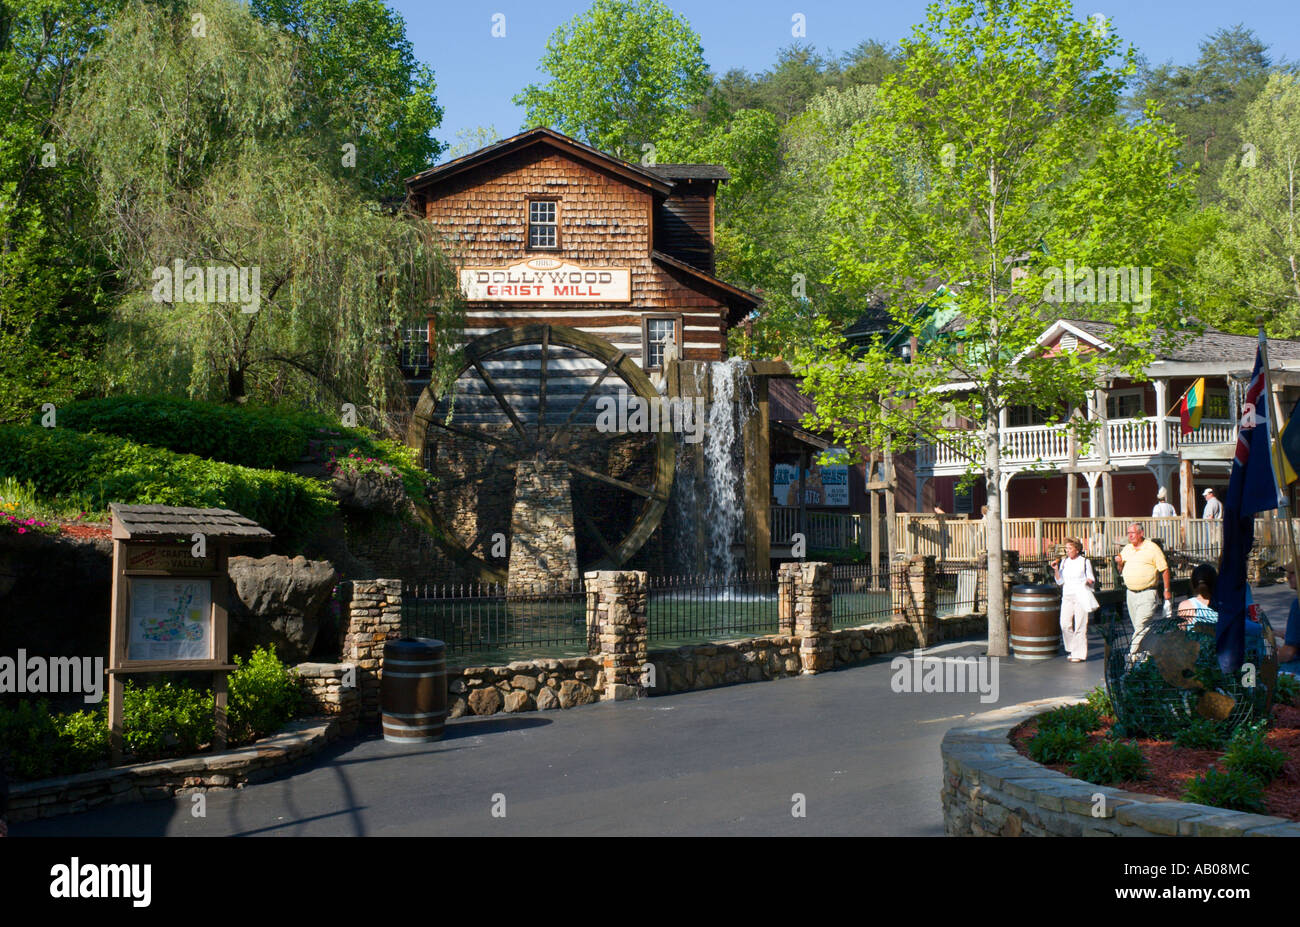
<point x="692" y="608"/>
<point x="861" y="596"/>
<point x="490" y="623"/>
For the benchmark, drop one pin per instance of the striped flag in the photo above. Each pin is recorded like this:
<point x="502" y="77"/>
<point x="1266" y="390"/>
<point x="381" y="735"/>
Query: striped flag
<point x="1251" y="489"/>
<point x="1192" y="407"/>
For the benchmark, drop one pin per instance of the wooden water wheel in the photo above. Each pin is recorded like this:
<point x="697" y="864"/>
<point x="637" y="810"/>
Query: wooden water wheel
<point x="531" y="393"/>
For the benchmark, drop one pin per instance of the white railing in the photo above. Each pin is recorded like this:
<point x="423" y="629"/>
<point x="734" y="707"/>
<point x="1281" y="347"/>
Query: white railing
<point x="1134" y="437"/>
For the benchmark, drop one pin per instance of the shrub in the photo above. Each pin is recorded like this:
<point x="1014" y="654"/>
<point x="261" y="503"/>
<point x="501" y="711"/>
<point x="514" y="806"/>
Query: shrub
<point x="1234" y="789"/>
<point x="1288" y="689"/>
<point x="84" y="736"/>
<point x="1202" y="734"/>
<point x="258" y="437"/>
<point x="62" y="463"/>
<point x="1099" y="701"/>
<point x="264" y="695"/>
<point x="29" y="736"/>
<point x="1250" y="755"/>
<point x="165" y="718"/>
<point x="1056" y="745"/>
<point x="1083" y="718"/>
<point x="1110" y="762"/>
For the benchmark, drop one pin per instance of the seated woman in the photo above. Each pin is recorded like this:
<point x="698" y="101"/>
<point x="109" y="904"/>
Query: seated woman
<point x="1198" y="609"/>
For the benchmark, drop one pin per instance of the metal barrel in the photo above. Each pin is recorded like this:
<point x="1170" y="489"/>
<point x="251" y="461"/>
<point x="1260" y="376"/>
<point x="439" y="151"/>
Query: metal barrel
<point x="1035" y="622"/>
<point x="413" y="690"/>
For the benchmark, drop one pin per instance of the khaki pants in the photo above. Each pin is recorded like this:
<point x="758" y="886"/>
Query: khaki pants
<point x="1074" y="627"/>
<point x="1141" y="612"/>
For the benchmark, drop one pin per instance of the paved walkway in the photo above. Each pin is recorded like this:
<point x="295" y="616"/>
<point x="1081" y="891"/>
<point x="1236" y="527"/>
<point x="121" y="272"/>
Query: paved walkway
<point x="723" y="761"/>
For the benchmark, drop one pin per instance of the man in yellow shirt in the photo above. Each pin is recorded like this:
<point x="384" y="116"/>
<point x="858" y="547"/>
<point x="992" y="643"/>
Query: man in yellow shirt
<point x="1142" y="563"/>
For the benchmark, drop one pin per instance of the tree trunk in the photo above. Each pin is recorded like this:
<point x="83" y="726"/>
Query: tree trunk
<point x="993" y="538"/>
<point x="235" y="384"/>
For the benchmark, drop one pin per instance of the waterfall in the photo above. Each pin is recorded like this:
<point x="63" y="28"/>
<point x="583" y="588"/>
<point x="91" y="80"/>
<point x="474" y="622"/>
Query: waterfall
<point x="718" y="497"/>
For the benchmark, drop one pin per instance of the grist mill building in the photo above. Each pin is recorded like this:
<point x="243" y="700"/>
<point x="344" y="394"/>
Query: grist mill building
<point x="548" y="229"/>
<point x="585" y="278"/>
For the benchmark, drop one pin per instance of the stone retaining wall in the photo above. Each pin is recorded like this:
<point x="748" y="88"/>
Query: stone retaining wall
<point x="235" y="768"/>
<point x="990" y="790"/>
<point x="330" y="690"/>
<point x="526" y="685"/>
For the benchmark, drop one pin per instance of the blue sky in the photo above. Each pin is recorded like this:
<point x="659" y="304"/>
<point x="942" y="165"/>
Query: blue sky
<point x="478" y="74"/>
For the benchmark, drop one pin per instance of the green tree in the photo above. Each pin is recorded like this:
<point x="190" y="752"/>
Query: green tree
<point x="361" y="86"/>
<point x="1252" y="267"/>
<point x="618" y="74"/>
<point x="199" y="158"/>
<point x="996" y="149"/>
<point x="1207" y="100"/>
<point x="54" y="283"/>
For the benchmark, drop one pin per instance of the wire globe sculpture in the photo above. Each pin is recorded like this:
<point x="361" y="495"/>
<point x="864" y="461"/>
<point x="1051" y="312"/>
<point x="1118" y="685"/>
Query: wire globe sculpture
<point x="1172" y="678"/>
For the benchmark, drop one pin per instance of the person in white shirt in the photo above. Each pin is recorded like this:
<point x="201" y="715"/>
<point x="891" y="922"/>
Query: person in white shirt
<point x="1213" y="507"/>
<point x="1162" y="508"/>
<point x="1074" y="575"/>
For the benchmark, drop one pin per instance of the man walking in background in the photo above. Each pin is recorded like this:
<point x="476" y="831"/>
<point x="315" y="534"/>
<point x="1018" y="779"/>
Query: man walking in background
<point x="1213" y="507"/>
<point x="1142" y="564"/>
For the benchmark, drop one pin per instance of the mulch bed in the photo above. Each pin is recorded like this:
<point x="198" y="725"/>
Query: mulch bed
<point x="1172" y="767"/>
<point x="84" y="532"/>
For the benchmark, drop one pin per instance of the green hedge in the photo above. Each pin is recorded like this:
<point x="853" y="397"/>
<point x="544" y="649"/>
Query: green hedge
<point x="61" y="463"/>
<point x="261" y="437"/>
<point x="158" y="720"/>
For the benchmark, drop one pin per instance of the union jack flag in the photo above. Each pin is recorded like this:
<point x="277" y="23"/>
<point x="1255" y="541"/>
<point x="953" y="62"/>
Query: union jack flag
<point x="1251" y="489"/>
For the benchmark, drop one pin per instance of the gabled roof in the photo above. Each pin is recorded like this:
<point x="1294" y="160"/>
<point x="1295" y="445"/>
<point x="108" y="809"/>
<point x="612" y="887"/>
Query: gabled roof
<point x="740" y="301"/>
<point x="1212" y="346"/>
<point x="136" y="522"/>
<point x="634" y="174"/>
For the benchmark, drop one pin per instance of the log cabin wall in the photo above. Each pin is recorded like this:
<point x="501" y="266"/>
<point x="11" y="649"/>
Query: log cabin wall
<point x="603" y="221"/>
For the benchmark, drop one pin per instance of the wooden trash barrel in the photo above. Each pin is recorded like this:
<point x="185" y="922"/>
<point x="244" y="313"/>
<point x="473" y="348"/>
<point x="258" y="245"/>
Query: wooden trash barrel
<point x="1035" y="622"/>
<point x="413" y="690"/>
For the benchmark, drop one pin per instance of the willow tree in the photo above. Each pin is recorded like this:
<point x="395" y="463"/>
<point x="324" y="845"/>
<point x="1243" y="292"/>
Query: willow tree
<point x="996" y="150"/>
<point x="190" y="124"/>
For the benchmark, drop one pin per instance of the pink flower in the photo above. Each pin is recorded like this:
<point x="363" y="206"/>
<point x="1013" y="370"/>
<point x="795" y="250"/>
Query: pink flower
<point x="22" y="530"/>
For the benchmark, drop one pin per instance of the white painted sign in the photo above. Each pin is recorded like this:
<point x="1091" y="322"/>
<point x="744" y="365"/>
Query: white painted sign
<point x="546" y="280"/>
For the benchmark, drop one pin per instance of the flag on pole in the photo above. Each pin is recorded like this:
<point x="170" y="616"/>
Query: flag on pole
<point x="1288" y="445"/>
<point x="1192" y="407"/>
<point x="1251" y="489"/>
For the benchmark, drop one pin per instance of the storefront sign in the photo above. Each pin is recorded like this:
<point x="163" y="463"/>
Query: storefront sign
<point x="823" y="485"/>
<point x="546" y="280"/>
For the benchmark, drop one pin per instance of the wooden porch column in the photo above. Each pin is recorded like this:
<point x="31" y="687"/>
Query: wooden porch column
<point x="1103" y="444"/>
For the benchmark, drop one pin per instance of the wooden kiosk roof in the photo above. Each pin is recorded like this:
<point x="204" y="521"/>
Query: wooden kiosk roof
<point x="147" y="522"/>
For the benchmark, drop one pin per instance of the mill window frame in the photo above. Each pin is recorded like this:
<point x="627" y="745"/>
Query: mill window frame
<point x="543" y="216"/>
<point x="649" y="345"/>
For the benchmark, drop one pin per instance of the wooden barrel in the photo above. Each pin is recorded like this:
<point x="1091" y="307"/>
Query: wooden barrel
<point x="413" y="690"/>
<point x="1035" y="622"/>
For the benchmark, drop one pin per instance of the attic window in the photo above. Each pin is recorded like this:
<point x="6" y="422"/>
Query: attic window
<point x="1069" y="343"/>
<point x="543" y="224"/>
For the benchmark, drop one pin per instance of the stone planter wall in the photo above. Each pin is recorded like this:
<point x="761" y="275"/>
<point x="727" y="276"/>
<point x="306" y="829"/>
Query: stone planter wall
<point x="161" y="779"/>
<point x="330" y="690"/>
<point x="990" y="790"/>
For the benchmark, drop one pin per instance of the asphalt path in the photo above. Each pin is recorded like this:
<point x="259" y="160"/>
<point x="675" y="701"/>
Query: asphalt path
<point x="727" y="761"/>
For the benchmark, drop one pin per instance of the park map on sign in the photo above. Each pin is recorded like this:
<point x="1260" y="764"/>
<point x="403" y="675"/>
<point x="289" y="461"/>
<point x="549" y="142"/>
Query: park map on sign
<point x="169" y="619"/>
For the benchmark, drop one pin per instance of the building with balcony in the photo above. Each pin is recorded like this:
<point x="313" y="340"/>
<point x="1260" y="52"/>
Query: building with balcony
<point x="1137" y="445"/>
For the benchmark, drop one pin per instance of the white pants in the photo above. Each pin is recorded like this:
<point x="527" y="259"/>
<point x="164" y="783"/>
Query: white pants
<point x="1074" y="627"/>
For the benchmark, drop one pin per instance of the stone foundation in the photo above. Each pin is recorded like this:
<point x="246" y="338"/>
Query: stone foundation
<point x="525" y="685"/>
<point x="542" y="548"/>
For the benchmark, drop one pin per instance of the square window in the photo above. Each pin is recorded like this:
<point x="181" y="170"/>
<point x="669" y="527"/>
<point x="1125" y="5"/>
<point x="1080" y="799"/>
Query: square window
<point x="543" y="225"/>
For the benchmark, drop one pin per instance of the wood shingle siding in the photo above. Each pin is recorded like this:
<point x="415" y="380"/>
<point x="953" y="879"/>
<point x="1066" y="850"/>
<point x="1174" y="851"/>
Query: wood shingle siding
<point x="610" y="214"/>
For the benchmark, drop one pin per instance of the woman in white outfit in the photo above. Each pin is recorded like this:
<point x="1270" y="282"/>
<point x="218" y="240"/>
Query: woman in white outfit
<point x="1074" y="575"/>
